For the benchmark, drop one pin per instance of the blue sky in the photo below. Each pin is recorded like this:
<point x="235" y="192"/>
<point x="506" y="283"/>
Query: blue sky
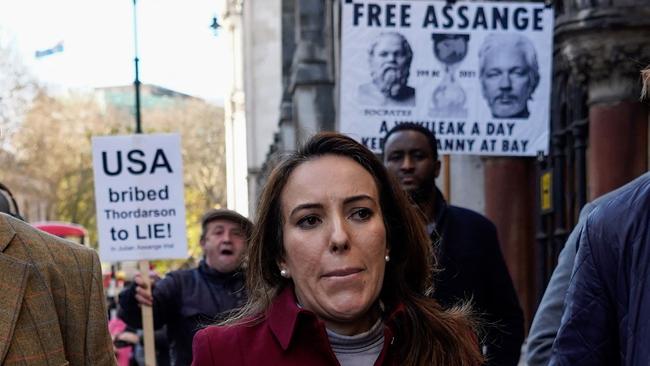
<point x="177" y="48"/>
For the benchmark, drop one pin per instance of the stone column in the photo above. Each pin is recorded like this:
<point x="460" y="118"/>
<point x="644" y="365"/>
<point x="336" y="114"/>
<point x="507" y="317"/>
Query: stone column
<point x="618" y="121"/>
<point x="235" y="113"/>
<point x="287" y="126"/>
<point x="312" y="84"/>
<point x="618" y="145"/>
<point x="592" y="37"/>
<point x="510" y="204"/>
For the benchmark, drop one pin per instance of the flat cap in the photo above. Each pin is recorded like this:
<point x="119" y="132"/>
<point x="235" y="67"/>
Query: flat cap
<point x="230" y="215"/>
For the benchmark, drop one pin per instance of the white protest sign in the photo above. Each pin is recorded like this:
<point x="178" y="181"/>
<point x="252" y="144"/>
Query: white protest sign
<point x="139" y="197"/>
<point x="477" y="74"/>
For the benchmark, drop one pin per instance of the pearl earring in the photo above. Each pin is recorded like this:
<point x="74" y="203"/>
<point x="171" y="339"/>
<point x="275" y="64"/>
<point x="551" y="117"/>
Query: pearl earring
<point x="284" y="273"/>
<point x="387" y="258"/>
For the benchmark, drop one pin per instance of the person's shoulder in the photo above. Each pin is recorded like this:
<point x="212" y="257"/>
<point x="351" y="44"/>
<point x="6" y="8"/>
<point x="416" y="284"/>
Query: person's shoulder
<point x="621" y="213"/>
<point x="469" y="217"/>
<point x="217" y="345"/>
<point x="209" y="345"/>
<point x="630" y="198"/>
<point x="184" y="273"/>
<point x="232" y="336"/>
<point x="40" y="240"/>
<point x="222" y="333"/>
<point x="178" y="279"/>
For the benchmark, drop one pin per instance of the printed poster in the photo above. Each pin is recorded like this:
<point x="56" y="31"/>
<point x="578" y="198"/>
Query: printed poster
<point x="139" y="197"/>
<point x="477" y="74"/>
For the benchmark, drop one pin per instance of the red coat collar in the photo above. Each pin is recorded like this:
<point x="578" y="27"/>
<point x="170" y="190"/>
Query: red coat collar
<point x="283" y="316"/>
<point x="284" y="312"/>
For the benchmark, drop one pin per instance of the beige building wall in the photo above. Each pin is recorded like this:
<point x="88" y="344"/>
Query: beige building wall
<point x="234" y="112"/>
<point x="252" y="108"/>
<point x="263" y="85"/>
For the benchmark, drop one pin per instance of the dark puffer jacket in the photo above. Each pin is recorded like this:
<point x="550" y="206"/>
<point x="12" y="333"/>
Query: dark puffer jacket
<point x="606" y="319"/>
<point x="187" y="301"/>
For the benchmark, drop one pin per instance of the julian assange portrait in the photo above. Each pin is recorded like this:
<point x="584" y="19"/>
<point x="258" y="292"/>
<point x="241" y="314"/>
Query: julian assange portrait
<point x="509" y="74"/>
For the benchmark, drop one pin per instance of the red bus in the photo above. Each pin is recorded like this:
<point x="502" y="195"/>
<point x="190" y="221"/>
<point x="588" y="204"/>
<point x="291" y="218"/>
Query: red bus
<point x="66" y="230"/>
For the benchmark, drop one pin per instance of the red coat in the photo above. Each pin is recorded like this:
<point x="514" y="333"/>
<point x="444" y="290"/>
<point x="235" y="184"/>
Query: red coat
<point x="289" y="335"/>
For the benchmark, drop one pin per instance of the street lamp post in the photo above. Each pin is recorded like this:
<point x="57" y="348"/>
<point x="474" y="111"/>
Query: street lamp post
<point x="147" y="311"/>
<point x="136" y="82"/>
<point x="215" y="25"/>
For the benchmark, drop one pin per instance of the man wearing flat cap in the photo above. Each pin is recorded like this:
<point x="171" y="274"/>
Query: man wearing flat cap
<point x="186" y="300"/>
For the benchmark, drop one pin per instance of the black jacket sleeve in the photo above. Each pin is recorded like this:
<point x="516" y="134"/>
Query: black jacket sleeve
<point x="505" y="321"/>
<point x="166" y="294"/>
<point x="129" y="311"/>
<point x="474" y="268"/>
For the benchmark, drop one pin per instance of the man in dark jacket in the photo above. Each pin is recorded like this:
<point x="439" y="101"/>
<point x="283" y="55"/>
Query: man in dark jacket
<point x="187" y="300"/>
<point x="547" y="320"/>
<point x="606" y="319"/>
<point x="468" y="249"/>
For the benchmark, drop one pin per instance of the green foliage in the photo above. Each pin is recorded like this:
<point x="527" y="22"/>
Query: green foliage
<point x="52" y="145"/>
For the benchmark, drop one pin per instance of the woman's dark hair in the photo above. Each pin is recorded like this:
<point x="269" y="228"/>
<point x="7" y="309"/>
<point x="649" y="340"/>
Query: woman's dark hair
<point x="645" y="83"/>
<point x="8" y="203"/>
<point x="427" y="334"/>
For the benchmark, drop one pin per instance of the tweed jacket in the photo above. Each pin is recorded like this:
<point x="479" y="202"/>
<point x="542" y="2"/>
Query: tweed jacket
<point x="52" y="307"/>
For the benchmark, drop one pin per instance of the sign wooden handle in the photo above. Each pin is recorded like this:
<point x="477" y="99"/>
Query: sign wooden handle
<point x="147" y="320"/>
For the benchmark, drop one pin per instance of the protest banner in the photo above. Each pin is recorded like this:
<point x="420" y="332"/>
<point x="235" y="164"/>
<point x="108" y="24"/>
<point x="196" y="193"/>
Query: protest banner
<point x="140" y="206"/>
<point x="477" y="74"/>
<point x="139" y="197"/>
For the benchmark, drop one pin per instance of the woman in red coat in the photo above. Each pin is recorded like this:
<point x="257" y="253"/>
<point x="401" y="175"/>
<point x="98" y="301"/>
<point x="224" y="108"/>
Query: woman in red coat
<point x="338" y="273"/>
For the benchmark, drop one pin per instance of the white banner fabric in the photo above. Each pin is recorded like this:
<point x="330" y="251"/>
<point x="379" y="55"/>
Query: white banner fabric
<point x="478" y="74"/>
<point x="139" y="197"/>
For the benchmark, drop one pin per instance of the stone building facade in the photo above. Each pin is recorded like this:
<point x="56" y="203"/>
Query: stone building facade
<point x="599" y="138"/>
<point x="599" y="128"/>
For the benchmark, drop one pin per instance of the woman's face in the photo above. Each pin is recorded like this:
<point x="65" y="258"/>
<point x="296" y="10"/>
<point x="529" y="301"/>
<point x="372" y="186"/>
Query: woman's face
<point x="334" y="240"/>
